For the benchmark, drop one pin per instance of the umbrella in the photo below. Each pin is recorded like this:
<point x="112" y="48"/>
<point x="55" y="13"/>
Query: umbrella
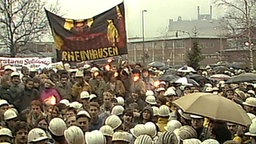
<point x="245" y="77"/>
<point x="220" y="77"/>
<point x="197" y="77"/>
<point x="157" y="64"/>
<point x="186" y="69"/>
<point x="220" y="69"/>
<point x="186" y="81"/>
<point x="213" y="106"/>
<point x="168" y="77"/>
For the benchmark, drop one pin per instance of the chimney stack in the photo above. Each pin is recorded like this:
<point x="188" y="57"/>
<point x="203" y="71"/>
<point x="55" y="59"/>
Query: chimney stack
<point x="198" y="13"/>
<point x="210" y="12"/>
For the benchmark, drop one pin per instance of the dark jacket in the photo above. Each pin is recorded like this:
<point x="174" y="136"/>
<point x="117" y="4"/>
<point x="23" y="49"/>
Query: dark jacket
<point x="27" y="97"/>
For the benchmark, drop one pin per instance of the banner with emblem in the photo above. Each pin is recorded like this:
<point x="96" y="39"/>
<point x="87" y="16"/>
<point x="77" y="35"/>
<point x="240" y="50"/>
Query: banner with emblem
<point x="98" y="37"/>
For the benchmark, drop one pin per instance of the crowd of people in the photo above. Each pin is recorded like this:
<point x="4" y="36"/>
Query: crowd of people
<point x="111" y="104"/>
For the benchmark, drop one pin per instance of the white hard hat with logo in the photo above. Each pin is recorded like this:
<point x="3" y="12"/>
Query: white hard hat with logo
<point x="57" y="126"/>
<point x="36" y="135"/>
<point x="107" y="130"/>
<point x="143" y="139"/>
<point x="95" y="137"/>
<point x="94" y="69"/>
<point x="10" y="114"/>
<point x="114" y="121"/>
<point x="74" y="135"/>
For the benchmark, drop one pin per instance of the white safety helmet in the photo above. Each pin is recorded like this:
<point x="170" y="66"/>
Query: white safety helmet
<point x="138" y="130"/>
<point x="122" y="136"/>
<point x="84" y="113"/>
<point x="6" y="132"/>
<point x="155" y="110"/>
<point x="3" y="102"/>
<point x="120" y="101"/>
<point x="191" y="141"/>
<point x="36" y="135"/>
<point x="95" y="137"/>
<point x="84" y="95"/>
<point x="10" y="114"/>
<point x="57" y="126"/>
<point x="186" y="132"/>
<point x="114" y="121"/>
<point x="172" y="125"/>
<point x="65" y="102"/>
<point x="210" y="141"/>
<point x="164" y="111"/>
<point x="170" y="92"/>
<point x="252" y="129"/>
<point x="74" y="135"/>
<point x="15" y="74"/>
<point x="251" y="116"/>
<point x="117" y="110"/>
<point x="251" y="101"/>
<point x="151" y="129"/>
<point x="151" y="100"/>
<point x="143" y="139"/>
<point x="75" y="105"/>
<point x="94" y="69"/>
<point x="168" y="138"/>
<point x="107" y="130"/>
<point x="149" y="93"/>
<point x="92" y="96"/>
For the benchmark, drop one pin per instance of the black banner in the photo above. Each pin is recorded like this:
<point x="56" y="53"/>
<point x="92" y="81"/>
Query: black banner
<point x="89" y="39"/>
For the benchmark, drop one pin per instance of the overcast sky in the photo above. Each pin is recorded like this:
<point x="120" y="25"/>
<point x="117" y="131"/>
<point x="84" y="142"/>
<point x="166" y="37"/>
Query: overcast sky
<point x="156" y="19"/>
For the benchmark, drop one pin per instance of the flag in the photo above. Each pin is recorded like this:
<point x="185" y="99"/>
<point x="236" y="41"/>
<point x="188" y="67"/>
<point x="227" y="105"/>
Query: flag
<point x="98" y="37"/>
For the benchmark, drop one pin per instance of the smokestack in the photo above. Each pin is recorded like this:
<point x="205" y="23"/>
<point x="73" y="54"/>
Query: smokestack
<point x="210" y="12"/>
<point x="198" y="13"/>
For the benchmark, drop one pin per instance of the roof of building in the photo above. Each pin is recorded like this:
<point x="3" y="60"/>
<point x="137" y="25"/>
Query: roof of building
<point x="210" y="27"/>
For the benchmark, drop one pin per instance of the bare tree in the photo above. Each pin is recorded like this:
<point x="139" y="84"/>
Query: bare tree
<point x="22" y="21"/>
<point x="240" y="20"/>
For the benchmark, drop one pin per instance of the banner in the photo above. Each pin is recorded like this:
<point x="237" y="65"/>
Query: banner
<point x="98" y="37"/>
<point x="29" y="62"/>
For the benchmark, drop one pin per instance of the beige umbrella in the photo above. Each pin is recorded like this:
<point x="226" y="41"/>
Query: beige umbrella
<point x="213" y="106"/>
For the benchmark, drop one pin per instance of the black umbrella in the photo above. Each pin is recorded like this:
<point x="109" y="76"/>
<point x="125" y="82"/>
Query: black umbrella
<point x="245" y="77"/>
<point x="168" y="77"/>
<point x="157" y="64"/>
<point x="198" y="78"/>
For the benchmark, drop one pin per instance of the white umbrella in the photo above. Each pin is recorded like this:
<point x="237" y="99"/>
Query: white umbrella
<point x="187" y="82"/>
<point x="186" y="69"/>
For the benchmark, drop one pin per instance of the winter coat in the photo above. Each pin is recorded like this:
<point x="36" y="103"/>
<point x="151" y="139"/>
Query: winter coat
<point x="65" y="91"/>
<point x="116" y="88"/>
